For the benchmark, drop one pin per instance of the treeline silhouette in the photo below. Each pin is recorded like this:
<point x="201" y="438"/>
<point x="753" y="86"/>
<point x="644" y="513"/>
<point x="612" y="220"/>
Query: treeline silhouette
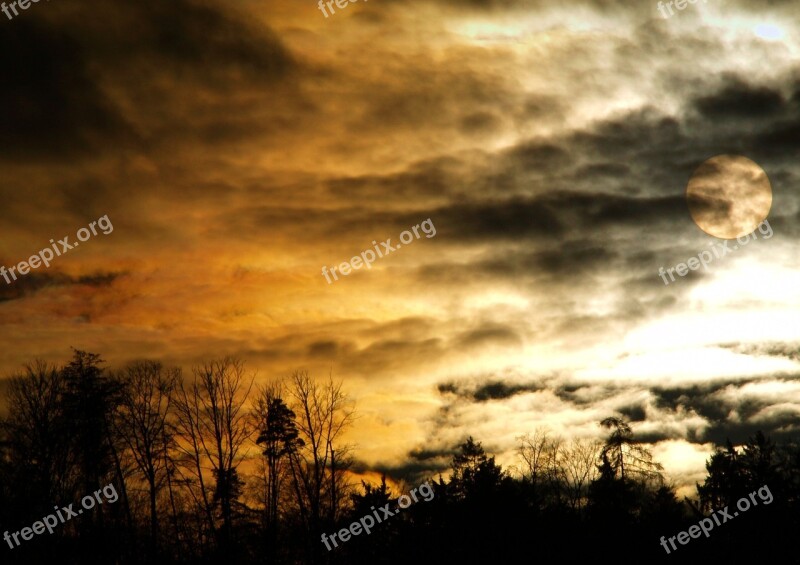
<point x="211" y="468"/>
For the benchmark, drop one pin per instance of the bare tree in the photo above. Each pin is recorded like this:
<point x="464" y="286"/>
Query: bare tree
<point x="562" y="470"/>
<point x="190" y="458"/>
<point x="319" y="465"/>
<point x="142" y="424"/>
<point x="35" y="433"/>
<point x="214" y="426"/>
<point x="539" y="453"/>
<point x="579" y="468"/>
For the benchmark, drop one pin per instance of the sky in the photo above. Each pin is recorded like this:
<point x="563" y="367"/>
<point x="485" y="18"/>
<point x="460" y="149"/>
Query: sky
<point x="237" y="148"/>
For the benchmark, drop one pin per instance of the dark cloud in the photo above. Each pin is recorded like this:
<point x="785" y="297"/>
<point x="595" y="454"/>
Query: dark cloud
<point x="633" y="412"/>
<point x="510" y="219"/>
<point x="500" y="391"/>
<point x="655" y="436"/>
<point x="425" y="455"/>
<point x="484" y="392"/>
<point x="787" y="350"/>
<point x="564" y="228"/>
<point x="738" y="99"/>
<point x="323" y="349"/>
<point x="411" y="472"/>
<point x="488" y="335"/>
<point x="34" y="281"/>
<point x="537" y="156"/>
<point x="730" y="416"/>
<point x="783" y="138"/>
<point x="52" y="108"/>
<point x="59" y="78"/>
<point x="584" y="395"/>
<point x="568" y="261"/>
<point x="210" y="38"/>
<point x="481" y="122"/>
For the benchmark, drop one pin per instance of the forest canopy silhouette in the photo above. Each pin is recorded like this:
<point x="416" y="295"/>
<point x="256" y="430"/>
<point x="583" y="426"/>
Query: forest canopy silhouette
<point x="212" y="468"/>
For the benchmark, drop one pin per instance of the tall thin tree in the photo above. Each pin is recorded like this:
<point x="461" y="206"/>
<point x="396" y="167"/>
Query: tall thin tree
<point x="213" y="423"/>
<point x="142" y="424"/>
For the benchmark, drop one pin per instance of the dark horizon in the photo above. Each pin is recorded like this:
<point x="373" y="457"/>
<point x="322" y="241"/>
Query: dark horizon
<point x="147" y="465"/>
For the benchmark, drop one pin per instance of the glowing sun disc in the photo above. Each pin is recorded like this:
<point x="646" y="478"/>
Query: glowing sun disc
<point x="729" y="196"/>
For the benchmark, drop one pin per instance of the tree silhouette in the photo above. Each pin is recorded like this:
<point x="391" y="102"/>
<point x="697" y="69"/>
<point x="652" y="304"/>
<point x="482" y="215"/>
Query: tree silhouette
<point x="89" y="403"/>
<point x="323" y="414"/>
<point x="142" y="423"/>
<point x="624" y="456"/>
<point x="36" y="438"/>
<point x="278" y="438"/>
<point x="725" y="481"/>
<point x="475" y="475"/>
<point x="213" y="423"/>
<point x="176" y="452"/>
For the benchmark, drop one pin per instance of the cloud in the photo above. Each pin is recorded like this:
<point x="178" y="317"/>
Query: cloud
<point x="34" y="282"/>
<point x="738" y="99"/>
<point x="493" y="390"/>
<point x="240" y="147"/>
<point x="52" y="107"/>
